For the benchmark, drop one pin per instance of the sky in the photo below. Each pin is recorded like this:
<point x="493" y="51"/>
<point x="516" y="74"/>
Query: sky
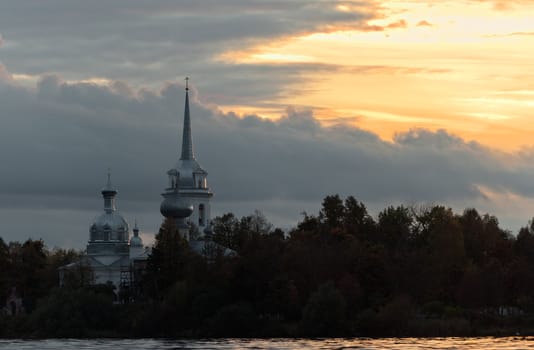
<point x="393" y="102"/>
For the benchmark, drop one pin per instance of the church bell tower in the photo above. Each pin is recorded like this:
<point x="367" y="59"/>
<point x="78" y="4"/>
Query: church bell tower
<point x="188" y="182"/>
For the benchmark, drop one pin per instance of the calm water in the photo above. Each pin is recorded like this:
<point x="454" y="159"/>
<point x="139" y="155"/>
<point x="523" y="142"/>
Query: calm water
<point x="275" y="344"/>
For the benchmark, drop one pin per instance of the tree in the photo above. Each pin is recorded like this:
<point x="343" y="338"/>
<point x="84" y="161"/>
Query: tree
<point x="357" y="220"/>
<point x="524" y="244"/>
<point x="225" y="229"/>
<point x="258" y="223"/>
<point x="59" y="257"/>
<point x="394" y="226"/>
<point x="167" y="262"/>
<point x="442" y="244"/>
<point x="5" y="268"/>
<point x="332" y="212"/>
<point x="29" y="263"/>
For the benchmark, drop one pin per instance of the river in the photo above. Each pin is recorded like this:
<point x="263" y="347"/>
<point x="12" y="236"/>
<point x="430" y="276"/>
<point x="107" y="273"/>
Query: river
<point x="486" y="343"/>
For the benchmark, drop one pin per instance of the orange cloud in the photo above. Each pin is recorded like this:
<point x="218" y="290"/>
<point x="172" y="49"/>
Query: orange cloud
<point x="424" y="24"/>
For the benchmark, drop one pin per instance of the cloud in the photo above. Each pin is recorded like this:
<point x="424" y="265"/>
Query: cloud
<point x="499" y="5"/>
<point x="147" y="43"/>
<point x="58" y="139"/>
<point x="509" y="34"/>
<point x="5" y="76"/>
<point x="138" y="40"/>
<point x="399" y="24"/>
<point x="424" y="24"/>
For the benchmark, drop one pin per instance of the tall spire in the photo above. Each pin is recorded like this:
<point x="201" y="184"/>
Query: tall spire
<point x="187" y="140"/>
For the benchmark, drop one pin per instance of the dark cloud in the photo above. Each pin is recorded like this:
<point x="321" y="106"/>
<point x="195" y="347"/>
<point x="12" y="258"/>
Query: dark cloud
<point x="146" y="43"/>
<point x="142" y="36"/>
<point x="57" y="141"/>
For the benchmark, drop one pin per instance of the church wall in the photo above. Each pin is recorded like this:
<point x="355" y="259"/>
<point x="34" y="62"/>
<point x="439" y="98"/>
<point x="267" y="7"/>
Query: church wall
<point x="105" y="274"/>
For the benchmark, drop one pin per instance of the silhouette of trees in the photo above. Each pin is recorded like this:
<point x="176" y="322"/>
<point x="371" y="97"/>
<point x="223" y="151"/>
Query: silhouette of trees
<point x="340" y="272"/>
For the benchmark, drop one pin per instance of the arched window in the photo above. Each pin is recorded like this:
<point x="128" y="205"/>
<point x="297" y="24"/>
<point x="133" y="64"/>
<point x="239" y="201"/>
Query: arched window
<point x="120" y="234"/>
<point x="174" y="178"/>
<point x="201" y="215"/>
<point x="107" y="233"/>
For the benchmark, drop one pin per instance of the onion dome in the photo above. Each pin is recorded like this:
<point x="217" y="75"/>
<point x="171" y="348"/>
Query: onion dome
<point x="173" y="206"/>
<point x="136" y="241"/>
<point x="110" y="225"/>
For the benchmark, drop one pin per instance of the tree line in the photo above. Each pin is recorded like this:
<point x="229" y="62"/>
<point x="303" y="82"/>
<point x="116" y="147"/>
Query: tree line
<point x="411" y="270"/>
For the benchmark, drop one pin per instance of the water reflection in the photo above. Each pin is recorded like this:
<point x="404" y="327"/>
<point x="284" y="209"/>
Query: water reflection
<point x="487" y="343"/>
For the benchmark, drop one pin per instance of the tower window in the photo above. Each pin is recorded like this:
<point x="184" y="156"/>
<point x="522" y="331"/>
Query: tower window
<point x="107" y="233"/>
<point x="201" y="215"/>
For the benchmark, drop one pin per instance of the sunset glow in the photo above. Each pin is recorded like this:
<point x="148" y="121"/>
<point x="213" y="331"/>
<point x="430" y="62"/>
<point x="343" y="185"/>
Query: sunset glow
<point x="464" y="66"/>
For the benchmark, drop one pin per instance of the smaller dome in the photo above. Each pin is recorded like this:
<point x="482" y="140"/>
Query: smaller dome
<point x="108" y="190"/>
<point x="136" y="241"/>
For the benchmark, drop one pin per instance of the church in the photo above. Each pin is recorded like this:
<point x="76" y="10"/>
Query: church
<point x="188" y="195"/>
<point x="112" y="256"/>
<point x="110" y="251"/>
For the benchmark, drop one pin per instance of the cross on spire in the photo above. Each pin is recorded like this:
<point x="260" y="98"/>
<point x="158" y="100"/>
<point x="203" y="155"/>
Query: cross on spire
<point x="109" y="177"/>
<point x="186" y="83"/>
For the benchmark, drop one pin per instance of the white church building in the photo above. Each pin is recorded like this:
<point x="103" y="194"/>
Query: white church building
<point x="111" y="253"/>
